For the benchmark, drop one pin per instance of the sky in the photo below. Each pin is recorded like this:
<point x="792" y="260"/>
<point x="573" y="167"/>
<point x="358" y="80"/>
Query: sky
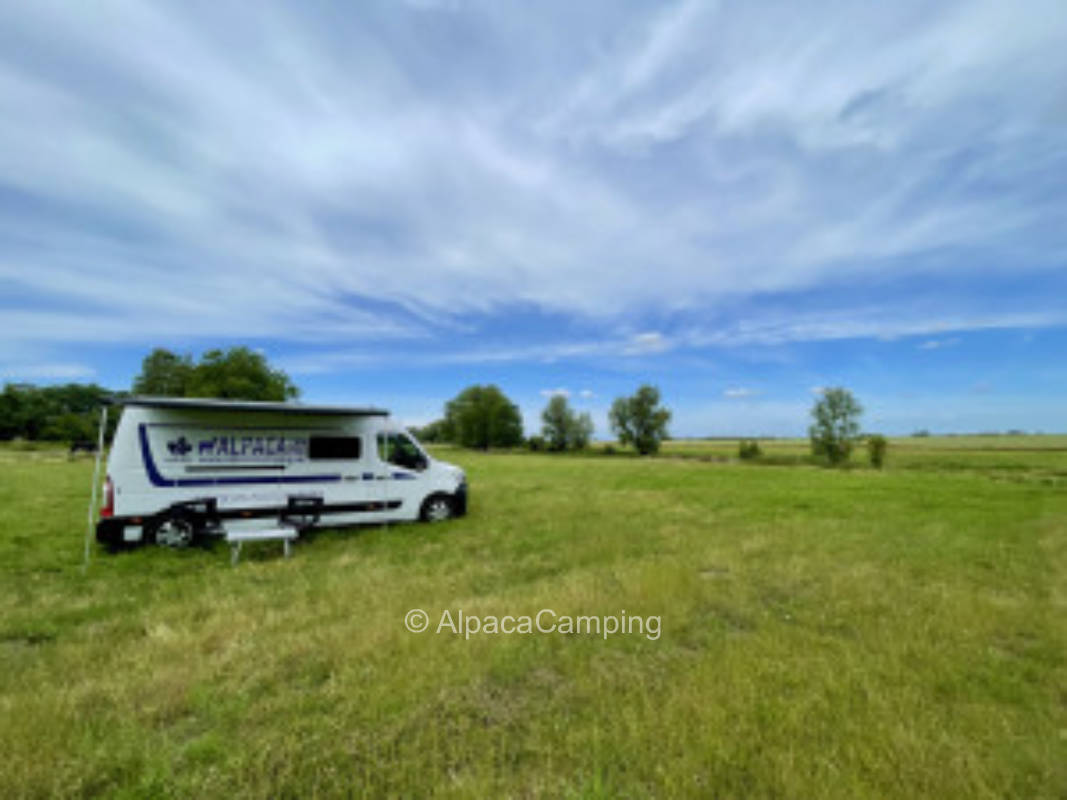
<point x="738" y="202"/>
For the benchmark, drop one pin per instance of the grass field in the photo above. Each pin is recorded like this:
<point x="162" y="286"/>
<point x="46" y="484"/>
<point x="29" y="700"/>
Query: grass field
<point x="824" y="633"/>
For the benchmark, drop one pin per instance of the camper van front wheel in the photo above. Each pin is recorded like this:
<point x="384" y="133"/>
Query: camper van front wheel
<point x="437" y="508"/>
<point x="173" y="532"/>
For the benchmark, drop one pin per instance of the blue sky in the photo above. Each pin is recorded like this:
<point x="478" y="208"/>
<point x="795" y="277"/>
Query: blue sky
<point x="738" y="202"/>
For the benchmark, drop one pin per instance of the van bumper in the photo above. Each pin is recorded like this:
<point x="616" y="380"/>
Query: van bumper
<point x="459" y="500"/>
<point x="109" y="531"/>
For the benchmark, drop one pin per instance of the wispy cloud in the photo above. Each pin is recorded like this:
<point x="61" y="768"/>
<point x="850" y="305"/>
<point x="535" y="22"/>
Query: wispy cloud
<point x="319" y="177"/>
<point x="740" y="392"/>
<point x="46" y="372"/>
<point x="876" y="323"/>
<point x="759" y="331"/>
<point x="937" y="344"/>
<point x="646" y="343"/>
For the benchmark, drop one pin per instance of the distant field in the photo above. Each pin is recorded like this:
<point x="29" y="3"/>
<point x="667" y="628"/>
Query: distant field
<point x="1046" y="454"/>
<point x="825" y="633"/>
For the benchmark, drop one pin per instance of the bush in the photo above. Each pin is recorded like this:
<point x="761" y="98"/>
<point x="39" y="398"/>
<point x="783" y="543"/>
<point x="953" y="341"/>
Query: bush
<point x="536" y="443"/>
<point x="609" y="449"/>
<point x="748" y="449"/>
<point x="876" y="447"/>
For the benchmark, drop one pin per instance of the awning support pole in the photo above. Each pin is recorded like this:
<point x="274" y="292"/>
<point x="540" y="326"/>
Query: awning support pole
<point x="96" y="486"/>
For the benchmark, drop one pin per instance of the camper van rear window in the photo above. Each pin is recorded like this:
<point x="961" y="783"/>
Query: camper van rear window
<point x="334" y="447"/>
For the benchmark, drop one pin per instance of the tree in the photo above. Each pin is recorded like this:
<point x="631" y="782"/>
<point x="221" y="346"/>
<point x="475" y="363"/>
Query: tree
<point x="67" y="412"/>
<point x="239" y="374"/>
<point x="639" y="420"/>
<point x="556" y="419"/>
<point x="836" y="425"/>
<point x="482" y="417"/>
<point x="562" y="428"/>
<point x="581" y="432"/>
<point x="164" y="374"/>
<point x="235" y="374"/>
<point x="430" y="432"/>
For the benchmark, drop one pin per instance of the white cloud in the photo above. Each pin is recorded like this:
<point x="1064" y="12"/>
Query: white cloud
<point x="46" y="372"/>
<point x="873" y="323"/>
<point x="560" y="392"/>
<point x="208" y="174"/>
<point x="758" y="331"/>
<point x="937" y="344"/>
<point x="646" y="343"/>
<point x="740" y="392"/>
<point x="586" y="394"/>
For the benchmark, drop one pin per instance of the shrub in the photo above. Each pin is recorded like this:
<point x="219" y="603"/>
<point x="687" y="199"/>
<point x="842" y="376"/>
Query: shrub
<point x="876" y="447"/>
<point x="536" y="443"/>
<point x="748" y="449"/>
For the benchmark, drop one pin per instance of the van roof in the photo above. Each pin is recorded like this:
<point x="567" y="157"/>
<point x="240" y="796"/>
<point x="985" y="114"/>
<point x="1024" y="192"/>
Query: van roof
<point x="205" y="404"/>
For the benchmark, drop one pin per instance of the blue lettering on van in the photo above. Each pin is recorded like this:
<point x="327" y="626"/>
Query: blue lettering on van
<point x="252" y="447"/>
<point x="158" y="479"/>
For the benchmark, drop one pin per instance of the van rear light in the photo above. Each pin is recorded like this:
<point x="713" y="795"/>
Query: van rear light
<point x="108" y="507"/>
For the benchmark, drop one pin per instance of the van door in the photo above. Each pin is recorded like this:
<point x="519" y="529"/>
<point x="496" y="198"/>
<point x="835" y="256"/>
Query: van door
<point x="402" y="463"/>
<point x="354" y="497"/>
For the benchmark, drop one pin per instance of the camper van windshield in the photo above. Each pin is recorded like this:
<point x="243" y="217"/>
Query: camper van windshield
<point x="396" y="448"/>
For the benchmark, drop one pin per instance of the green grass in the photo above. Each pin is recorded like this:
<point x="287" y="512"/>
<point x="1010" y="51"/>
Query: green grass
<point x="825" y="633"/>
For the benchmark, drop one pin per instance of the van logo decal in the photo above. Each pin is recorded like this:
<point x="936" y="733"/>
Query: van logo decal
<point x="179" y="447"/>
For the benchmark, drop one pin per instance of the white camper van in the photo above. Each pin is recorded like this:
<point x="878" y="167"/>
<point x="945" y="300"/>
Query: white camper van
<point x="184" y="468"/>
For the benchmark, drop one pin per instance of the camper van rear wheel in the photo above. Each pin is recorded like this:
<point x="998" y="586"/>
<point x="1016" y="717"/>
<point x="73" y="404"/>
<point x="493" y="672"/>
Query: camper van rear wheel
<point x="173" y="532"/>
<point x="437" y="508"/>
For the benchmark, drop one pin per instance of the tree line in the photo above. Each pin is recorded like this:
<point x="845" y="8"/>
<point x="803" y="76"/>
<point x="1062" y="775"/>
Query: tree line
<point x="71" y="412"/>
<point x="482" y="417"/>
<point x="479" y="417"/>
<point x="67" y="413"/>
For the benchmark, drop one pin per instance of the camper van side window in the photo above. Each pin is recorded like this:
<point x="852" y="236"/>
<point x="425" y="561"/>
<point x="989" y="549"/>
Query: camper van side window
<point x="335" y="448"/>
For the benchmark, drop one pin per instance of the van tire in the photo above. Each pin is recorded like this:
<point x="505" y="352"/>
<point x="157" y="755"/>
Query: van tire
<point x="437" y="508"/>
<point x="171" y="531"/>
